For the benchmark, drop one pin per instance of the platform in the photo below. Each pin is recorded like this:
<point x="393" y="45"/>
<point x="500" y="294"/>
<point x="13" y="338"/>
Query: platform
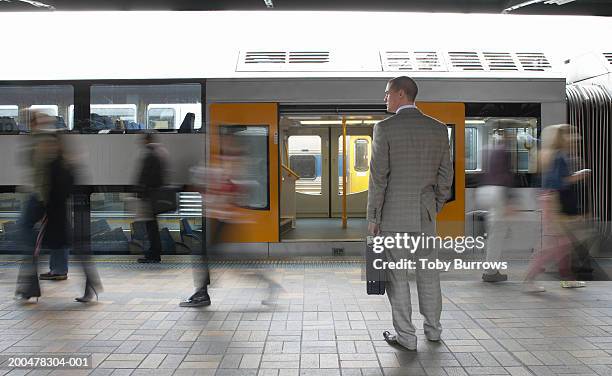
<point x="302" y="317"/>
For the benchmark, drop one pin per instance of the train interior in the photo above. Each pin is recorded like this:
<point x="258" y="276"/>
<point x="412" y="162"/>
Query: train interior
<point x="313" y="204"/>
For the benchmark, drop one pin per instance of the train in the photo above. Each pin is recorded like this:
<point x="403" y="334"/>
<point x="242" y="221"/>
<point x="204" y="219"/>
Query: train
<point x="304" y="103"/>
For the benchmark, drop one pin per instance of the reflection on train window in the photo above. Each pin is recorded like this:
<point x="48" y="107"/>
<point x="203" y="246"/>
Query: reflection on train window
<point x="305" y="159"/>
<point x="138" y="107"/>
<point x="252" y="142"/>
<point x="117" y="224"/>
<point x="54" y="100"/>
<point x="359" y="149"/>
<point x="362" y="155"/>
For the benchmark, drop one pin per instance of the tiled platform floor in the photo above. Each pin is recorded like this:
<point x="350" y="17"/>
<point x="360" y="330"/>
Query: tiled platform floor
<point x="315" y="320"/>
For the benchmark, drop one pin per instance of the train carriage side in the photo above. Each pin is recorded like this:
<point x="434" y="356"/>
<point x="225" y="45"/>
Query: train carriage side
<point x="458" y="102"/>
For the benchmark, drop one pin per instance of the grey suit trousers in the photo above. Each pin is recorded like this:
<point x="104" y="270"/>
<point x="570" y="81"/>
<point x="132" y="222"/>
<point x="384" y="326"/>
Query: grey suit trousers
<point x="398" y="291"/>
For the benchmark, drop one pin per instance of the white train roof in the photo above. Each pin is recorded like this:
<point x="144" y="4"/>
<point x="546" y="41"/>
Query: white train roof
<point x="179" y="45"/>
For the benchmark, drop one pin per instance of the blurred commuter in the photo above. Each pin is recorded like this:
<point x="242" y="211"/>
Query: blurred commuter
<point x="222" y="192"/>
<point x="151" y="178"/>
<point x="57" y="231"/>
<point x="410" y="180"/>
<point x="42" y="150"/>
<point x="556" y="178"/>
<point x="494" y="195"/>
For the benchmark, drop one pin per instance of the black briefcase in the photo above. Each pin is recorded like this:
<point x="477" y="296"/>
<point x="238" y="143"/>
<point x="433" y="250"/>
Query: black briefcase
<point x="375" y="278"/>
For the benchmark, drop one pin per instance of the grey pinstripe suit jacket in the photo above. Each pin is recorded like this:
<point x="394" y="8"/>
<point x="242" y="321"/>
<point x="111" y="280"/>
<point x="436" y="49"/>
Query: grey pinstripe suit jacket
<point x="411" y="173"/>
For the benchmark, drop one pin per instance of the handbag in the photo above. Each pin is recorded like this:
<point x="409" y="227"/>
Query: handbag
<point x="163" y="200"/>
<point x="375" y="278"/>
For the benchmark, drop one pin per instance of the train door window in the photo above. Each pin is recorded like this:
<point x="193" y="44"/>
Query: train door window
<point x="248" y="146"/>
<point x="161" y="118"/>
<point x="362" y="155"/>
<point x="15" y="101"/>
<point x="304" y="165"/>
<point x="358" y="163"/>
<point x="473" y="151"/>
<point x="155" y="106"/>
<point x="525" y="144"/>
<point x="305" y="159"/>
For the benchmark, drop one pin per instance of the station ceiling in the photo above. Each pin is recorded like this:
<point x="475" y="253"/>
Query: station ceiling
<point x="567" y="7"/>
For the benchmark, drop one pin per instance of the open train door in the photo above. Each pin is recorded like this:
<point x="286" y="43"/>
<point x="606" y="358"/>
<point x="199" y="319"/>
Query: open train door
<point x="255" y="127"/>
<point x="451" y="220"/>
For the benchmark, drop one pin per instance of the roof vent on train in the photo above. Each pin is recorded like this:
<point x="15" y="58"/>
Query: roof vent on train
<point x="277" y="60"/>
<point x="411" y="61"/>
<point x="465" y="61"/>
<point x="500" y="61"/>
<point x="534" y="61"/>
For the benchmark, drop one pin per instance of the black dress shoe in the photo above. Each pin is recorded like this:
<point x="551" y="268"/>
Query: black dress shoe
<point x="199" y="299"/>
<point x="146" y="260"/>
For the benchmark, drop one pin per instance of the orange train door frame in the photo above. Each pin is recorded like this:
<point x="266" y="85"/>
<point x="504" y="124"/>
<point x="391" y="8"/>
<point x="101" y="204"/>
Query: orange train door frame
<point x="451" y="220"/>
<point x="263" y="225"/>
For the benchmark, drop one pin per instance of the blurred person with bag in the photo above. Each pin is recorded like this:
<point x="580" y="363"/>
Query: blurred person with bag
<point x="556" y="180"/>
<point x="57" y="231"/>
<point x="41" y="151"/>
<point x="151" y="180"/>
<point x="222" y="192"/>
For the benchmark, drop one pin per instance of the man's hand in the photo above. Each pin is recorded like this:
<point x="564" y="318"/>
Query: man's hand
<point x="373" y="228"/>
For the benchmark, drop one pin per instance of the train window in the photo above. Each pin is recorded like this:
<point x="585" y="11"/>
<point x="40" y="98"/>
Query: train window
<point x="115" y="112"/>
<point x="362" y="155"/>
<point x="304" y="165"/>
<point x="9" y="111"/>
<point x="358" y="163"/>
<point x="54" y="100"/>
<point x="305" y="159"/>
<point x="49" y="109"/>
<point x="161" y="118"/>
<point x="473" y="151"/>
<point x="138" y="107"/>
<point x="251" y="141"/>
<point x="116" y="222"/>
<point x="8" y="118"/>
<point x="10" y="209"/>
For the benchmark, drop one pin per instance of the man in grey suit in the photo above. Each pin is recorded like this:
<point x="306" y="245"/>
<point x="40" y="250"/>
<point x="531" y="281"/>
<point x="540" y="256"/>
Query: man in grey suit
<point x="410" y="180"/>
